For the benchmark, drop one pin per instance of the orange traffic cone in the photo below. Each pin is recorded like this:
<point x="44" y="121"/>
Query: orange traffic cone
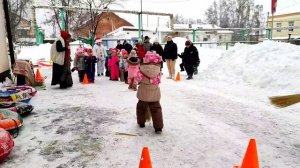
<point x="85" y="79"/>
<point x="251" y="159"/>
<point x="38" y="76"/>
<point x="145" y="161"/>
<point x="178" y="77"/>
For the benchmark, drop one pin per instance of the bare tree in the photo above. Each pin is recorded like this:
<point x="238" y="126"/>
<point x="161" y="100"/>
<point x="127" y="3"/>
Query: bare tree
<point x="94" y="15"/>
<point x="17" y="10"/>
<point x="76" y="18"/>
<point x="212" y="14"/>
<point x="178" y="19"/>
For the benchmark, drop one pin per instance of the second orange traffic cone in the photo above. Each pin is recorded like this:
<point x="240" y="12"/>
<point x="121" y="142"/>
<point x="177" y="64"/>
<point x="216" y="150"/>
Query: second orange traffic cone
<point x="178" y="77"/>
<point x="85" y="79"/>
<point x="145" y="161"/>
<point x="251" y="159"/>
<point x="38" y="76"/>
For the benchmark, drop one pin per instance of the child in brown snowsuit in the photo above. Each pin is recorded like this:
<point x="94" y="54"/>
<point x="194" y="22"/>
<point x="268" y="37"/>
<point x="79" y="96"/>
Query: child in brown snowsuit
<point x="149" y="91"/>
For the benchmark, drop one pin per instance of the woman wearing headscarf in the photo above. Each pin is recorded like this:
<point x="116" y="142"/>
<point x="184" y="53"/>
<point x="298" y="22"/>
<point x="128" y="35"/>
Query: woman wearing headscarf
<point x="61" y="57"/>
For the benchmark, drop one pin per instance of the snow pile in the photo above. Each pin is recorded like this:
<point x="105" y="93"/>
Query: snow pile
<point x="208" y="54"/>
<point x="42" y="51"/>
<point x="270" y="65"/>
<point x="36" y="53"/>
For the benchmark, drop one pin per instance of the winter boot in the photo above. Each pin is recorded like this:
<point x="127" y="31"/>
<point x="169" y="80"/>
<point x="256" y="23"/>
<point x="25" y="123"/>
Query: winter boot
<point x="142" y="125"/>
<point x="130" y="86"/>
<point x="158" y="130"/>
<point x="134" y="87"/>
<point x="189" y="77"/>
<point x="169" y="77"/>
<point x="173" y="77"/>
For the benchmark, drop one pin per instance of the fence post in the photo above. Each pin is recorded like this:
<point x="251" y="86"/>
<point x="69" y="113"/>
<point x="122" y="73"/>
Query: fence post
<point x="194" y="36"/>
<point x="226" y="45"/>
<point x="242" y="35"/>
<point x="268" y="33"/>
<point x="140" y="25"/>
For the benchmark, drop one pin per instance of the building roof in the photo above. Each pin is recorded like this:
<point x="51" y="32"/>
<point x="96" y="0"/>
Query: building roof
<point x="195" y="26"/>
<point x="284" y="15"/>
<point x="101" y="16"/>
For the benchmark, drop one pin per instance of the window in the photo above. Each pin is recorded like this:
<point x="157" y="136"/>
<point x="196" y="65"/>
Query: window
<point x="220" y="37"/>
<point x="278" y="25"/>
<point x="291" y="24"/>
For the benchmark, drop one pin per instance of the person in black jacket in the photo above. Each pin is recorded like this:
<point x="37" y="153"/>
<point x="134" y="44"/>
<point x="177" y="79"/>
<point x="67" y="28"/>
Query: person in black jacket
<point x="127" y="46"/>
<point x="190" y="59"/>
<point x="119" y="45"/>
<point x="158" y="49"/>
<point x="170" y="55"/>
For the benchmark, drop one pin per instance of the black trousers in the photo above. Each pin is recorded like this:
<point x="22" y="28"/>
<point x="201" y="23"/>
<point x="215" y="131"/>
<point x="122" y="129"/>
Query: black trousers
<point x="181" y="67"/>
<point x="189" y="69"/>
<point x="81" y="75"/>
<point x="126" y="76"/>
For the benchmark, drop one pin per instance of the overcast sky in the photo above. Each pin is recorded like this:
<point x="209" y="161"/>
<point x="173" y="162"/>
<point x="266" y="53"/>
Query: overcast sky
<point x="197" y="8"/>
<point x="187" y="8"/>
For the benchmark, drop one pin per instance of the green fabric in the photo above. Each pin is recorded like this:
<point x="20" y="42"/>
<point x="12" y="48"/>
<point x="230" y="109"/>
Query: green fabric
<point x="11" y="115"/>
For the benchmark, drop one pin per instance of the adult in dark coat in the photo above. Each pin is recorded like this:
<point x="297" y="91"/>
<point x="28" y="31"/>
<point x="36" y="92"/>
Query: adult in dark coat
<point x="170" y="55"/>
<point x="158" y="49"/>
<point x="190" y="58"/>
<point x="62" y="72"/>
<point x="119" y="45"/>
<point x="147" y="44"/>
<point x="127" y="46"/>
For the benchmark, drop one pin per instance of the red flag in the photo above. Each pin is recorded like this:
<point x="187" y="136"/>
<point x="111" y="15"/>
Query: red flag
<point x="274" y="4"/>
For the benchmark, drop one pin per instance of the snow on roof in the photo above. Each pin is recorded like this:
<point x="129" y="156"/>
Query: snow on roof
<point x="225" y="32"/>
<point x="195" y="26"/>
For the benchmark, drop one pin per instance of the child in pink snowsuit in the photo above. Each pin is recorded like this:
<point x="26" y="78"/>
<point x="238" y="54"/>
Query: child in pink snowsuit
<point x="113" y="64"/>
<point x="133" y="65"/>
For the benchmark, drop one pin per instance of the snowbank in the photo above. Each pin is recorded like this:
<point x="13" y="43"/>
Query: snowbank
<point x="42" y="52"/>
<point x="269" y="65"/>
<point x="35" y="53"/>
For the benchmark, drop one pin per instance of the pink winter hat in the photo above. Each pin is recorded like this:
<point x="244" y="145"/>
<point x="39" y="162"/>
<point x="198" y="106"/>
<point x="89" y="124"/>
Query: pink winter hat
<point x="113" y="50"/>
<point x="124" y="52"/>
<point x="152" y="57"/>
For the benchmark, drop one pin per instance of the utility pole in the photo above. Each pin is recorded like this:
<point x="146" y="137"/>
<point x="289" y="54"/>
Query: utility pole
<point x="142" y="19"/>
<point x="8" y="30"/>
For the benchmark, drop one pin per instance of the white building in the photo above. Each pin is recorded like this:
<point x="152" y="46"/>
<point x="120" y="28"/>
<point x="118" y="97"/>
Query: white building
<point x="203" y="33"/>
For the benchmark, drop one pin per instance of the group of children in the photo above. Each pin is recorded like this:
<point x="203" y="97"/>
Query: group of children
<point x="120" y="64"/>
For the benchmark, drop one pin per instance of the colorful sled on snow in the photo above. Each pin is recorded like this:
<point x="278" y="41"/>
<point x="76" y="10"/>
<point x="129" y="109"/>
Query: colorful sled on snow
<point x="10" y="121"/>
<point x="6" y="144"/>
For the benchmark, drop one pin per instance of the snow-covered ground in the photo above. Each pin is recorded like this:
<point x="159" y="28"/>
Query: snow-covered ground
<point x="208" y="121"/>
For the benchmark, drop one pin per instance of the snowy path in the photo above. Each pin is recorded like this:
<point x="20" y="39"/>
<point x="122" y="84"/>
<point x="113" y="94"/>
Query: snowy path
<point x="207" y="124"/>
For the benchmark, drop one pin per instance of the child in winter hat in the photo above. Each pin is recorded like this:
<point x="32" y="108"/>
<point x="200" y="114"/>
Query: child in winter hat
<point x="90" y="60"/>
<point x="133" y="65"/>
<point x="113" y="64"/>
<point x="149" y="92"/>
<point x="79" y="63"/>
<point x="123" y="65"/>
